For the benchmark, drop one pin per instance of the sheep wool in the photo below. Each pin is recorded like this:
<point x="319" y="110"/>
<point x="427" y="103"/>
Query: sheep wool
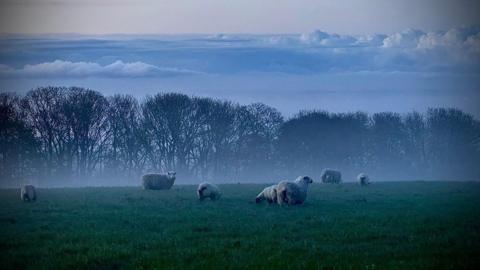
<point x="208" y="190"/>
<point x="363" y="179"/>
<point x="269" y="194"/>
<point x="28" y="193"/>
<point x="158" y="181"/>
<point x="331" y="176"/>
<point x="292" y="193"/>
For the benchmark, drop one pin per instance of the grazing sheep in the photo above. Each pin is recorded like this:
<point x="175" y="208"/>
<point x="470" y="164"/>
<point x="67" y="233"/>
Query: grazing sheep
<point x="28" y="193"/>
<point x="293" y="192"/>
<point x="331" y="176"/>
<point x="269" y="194"/>
<point x="158" y="181"/>
<point x="208" y="190"/>
<point x="363" y="179"/>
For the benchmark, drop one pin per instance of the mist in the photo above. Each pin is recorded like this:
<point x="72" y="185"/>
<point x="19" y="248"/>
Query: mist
<point x="59" y="136"/>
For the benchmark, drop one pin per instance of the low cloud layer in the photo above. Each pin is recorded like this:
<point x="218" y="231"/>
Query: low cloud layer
<point x="61" y="68"/>
<point x="455" y="51"/>
<point x="467" y="38"/>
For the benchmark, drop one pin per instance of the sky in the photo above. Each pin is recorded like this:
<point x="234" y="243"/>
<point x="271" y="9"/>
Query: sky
<point x="343" y="55"/>
<point x="233" y="16"/>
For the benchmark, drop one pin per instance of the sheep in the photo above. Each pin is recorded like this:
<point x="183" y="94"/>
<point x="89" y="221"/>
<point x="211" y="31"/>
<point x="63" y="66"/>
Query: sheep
<point x="28" y="193"/>
<point x="331" y="176"/>
<point x="293" y="192"/>
<point x="269" y="194"/>
<point x="158" y="181"/>
<point x="363" y="179"/>
<point x="208" y="190"/>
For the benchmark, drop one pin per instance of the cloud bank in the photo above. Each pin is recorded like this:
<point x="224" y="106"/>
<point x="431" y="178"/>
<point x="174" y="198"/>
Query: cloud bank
<point x="412" y="50"/>
<point x="61" y="68"/>
<point x="460" y="37"/>
<point x="455" y="51"/>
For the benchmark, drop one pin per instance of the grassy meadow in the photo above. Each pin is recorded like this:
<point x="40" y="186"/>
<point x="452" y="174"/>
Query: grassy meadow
<point x="409" y="225"/>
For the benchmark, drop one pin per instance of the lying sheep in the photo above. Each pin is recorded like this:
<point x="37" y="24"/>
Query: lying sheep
<point x="331" y="176"/>
<point x="293" y="192"/>
<point x="208" y="190"/>
<point x="269" y="194"/>
<point x="158" y="181"/>
<point x="363" y="179"/>
<point x="28" y="193"/>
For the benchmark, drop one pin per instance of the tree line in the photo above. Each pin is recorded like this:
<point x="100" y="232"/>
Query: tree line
<point x="77" y="136"/>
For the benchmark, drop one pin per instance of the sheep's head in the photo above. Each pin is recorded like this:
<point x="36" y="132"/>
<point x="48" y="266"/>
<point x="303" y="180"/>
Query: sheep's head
<point x="363" y="177"/>
<point x="171" y="174"/>
<point x="304" y="179"/>
<point x="307" y="179"/>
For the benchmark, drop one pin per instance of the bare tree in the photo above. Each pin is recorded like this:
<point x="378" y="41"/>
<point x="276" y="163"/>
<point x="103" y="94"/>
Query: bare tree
<point x="387" y="138"/>
<point x="172" y="123"/>
<point x="43" y="109"/>
<point x="85" y="113"/>
<point x="257" y="127"/>
<point x="311" y="141"/>
<point x="451" y="144"/>
<point x="126" y="154"/>
<point x="216" y="137"/>
<point x="415" y="142"/>
<point x="18" y="146"/>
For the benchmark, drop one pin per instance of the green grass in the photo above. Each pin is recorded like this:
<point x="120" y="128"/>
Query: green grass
<point x="413" y="225"/>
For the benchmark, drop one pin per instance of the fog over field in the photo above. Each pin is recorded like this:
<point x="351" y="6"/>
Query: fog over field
<point x="105" y="109"/>
<point x="58" y="136"/>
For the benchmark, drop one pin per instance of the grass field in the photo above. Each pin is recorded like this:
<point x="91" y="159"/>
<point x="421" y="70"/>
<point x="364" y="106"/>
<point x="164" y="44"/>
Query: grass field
<point x="412" y="225"/>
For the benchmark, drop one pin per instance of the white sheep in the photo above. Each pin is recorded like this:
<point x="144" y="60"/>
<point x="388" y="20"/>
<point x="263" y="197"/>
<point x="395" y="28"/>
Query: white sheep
<point x="208" y="190"/>
<point x="331" y="176"/>
<point x="269" y="194"/>
<point x="293" y="192"/>
<point x="158" y="181"/>
<point x="28" y="193"/>
<point x="363" y="179"/>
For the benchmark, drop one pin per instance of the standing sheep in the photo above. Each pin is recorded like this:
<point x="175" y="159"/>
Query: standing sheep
<point x="28" y="193"/>
<point x="363" y="179"/>
<point x="269" y="194"/>
<point x="331" y="176"/>
<point x="293" y="192"/>
<point x="158" y="181"/>
<point x="208" y="190"/>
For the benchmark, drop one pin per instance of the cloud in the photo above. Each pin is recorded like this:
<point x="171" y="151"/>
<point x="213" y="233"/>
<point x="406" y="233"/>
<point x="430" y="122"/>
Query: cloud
<point x="455" y="40"/>
<point x="454" y="50"/>
<point x="60" y="68"/>
<point x="473" y="42"/>
<point x="406" y="39"/>
<point x="375" y="40"/>
<point x="325" y="39"/>
<point x="466" y="39"/>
